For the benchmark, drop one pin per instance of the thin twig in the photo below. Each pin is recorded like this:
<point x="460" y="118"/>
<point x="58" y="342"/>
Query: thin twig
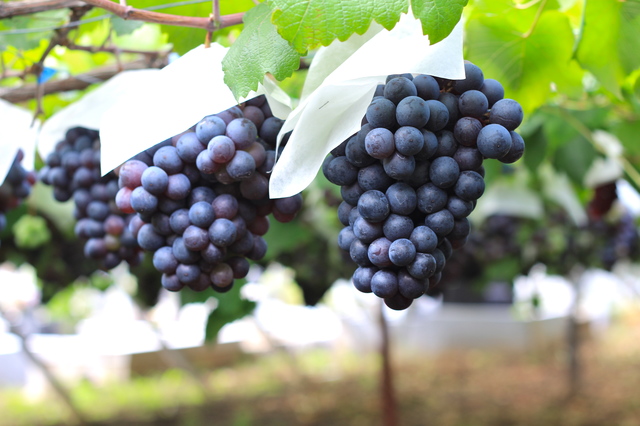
<point x="128" y="12"/>
<point x="9" y="9"/>
<point x="78" y="82"/>
<point x="536" y="19"/>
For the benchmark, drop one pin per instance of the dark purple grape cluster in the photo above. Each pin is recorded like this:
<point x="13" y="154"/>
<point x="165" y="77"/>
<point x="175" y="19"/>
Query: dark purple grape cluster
<point x="411" y="176"/>
<point x="15" y="188"/>
<point x="73" y="170"/>
<point x="202" y="198"/>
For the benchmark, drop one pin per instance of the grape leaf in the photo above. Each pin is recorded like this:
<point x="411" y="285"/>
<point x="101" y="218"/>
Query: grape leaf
<point x="308" y="24"/>
<point x="258" y="50"/>
<point x="611" y="32"/>
<point x="526" y="65"/>
<point x="438" y="16"/>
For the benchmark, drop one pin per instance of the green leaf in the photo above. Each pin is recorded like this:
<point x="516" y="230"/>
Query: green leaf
<point x="31" y="232"/>
<point x="574" y="158"/>
<point x="611" y="32"/>
<point x="230" y="307"/>
<point x="438" y="16"/>
<point x="258" y="50"/>
<point x="526" y="65"/>
<point x="535" y="149"/>
<point x="308" y="24"/>
<point x="122" y="27"/>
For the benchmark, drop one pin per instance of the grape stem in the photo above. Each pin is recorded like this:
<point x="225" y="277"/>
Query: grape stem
<point x="131" y="13"/>
<point x="536" y="19"/>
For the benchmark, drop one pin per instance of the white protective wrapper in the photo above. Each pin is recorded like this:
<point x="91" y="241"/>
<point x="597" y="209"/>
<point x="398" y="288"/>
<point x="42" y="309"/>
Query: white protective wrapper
<point x="171" y="101"/>
<point x="88" y="111"/>
<point x="16" y="132"/>
<point x="333" y="111"/>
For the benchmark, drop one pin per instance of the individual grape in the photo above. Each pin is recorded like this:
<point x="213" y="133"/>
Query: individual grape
<point x="397" y="226"/>
<point x="409" y="286"/>
<point x="222" y="275"/>
<point x="359" y="253"/>
<point x="256" y="187"/>
<point x="351" y="193"/>
<point x="379" y="143"/>
<point x="171" y="283"/>
<point x="423" y="266"/>
<point x="493" y="90"/>
<point x="130" y="174"/>
<point x="474" y="78"/>
<point x="366" y="231"/>
<point x="444" y="172"/>
<point x="438" y="115"/>
<point x="259" y="249"/>
<point x="470" y="186"/>
<point x="164" y="260"/>
<point x="239" y="265"/>
<point x="458" y="207"/>
<point x="384" y="284"/>
<point x="210" y="127"/>
<point x="362" y="278"/>
<point x="167" y="159"/>
<point x="382" y="113"/>
<point x="468" y="158"/>
<point x="426" y="86"/>
<point x="399" y="88"/>
<point x="221" y="149"/>
<point x="114" y="224"/>
<point x="201" y="214"/>
<point x="430" y="146"/>
<point x="445" y="247"/>
<point x="225" y="206"/>
<point x="412" y="111"/>
<point x="441" y="222"/>
<point x="516" y="151"/>
<point x="451" y="102"/>
<point x="205" y="164"/>
<point x="142" y="201"/>
<point x="340" y="171"/>
<point x="259" y="154"/>
<point x="356" y="152"/>
<point x="242" y="131"/>
<point x="399" y="166"/>
<point x="182" y="253"/>
<point x="473" y="103"/>
<point x="506" y="112"/>
<point x="343" y="212"/>
<point x="241" y="166"/>
<point x="461" y="229"/>
<point x="401" y="252"/>
<point x="373" y="206"/>
<point x="289" y="205"/>
<point x="397" y="302"/>
<point x="213" y="254"/>
<point x="149" y="239"/>
<point x="402" y="198"/>
<point x="373" y="177"/>
<point x="95" y="248"/>
<point x="270" y="129"/>
<point x="189" y="146"/>
<point x="408" y="141"/>
<point x="161" y="224"/>
<point x="420" y="174"/>
<point x="178" y="187"/>
<point x="440" y="260"/>
<point x="346" y="237"/>
<point x="154" y="180"/>
<point x="494" y="141"/>
<point x="431" y="198"/>
<point x="447" y="145"/>
<point x="378" y="252"/>
<point x="254" y="114"/>
<point x="222" y="232"/>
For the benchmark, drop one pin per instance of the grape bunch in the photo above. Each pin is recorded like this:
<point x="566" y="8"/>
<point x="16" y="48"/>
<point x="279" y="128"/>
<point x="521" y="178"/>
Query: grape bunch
<point x="202" y="198"/>
<point x="15" y="188"/>
<point x="73" y="169"/>
<point x="412" y="174"/>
